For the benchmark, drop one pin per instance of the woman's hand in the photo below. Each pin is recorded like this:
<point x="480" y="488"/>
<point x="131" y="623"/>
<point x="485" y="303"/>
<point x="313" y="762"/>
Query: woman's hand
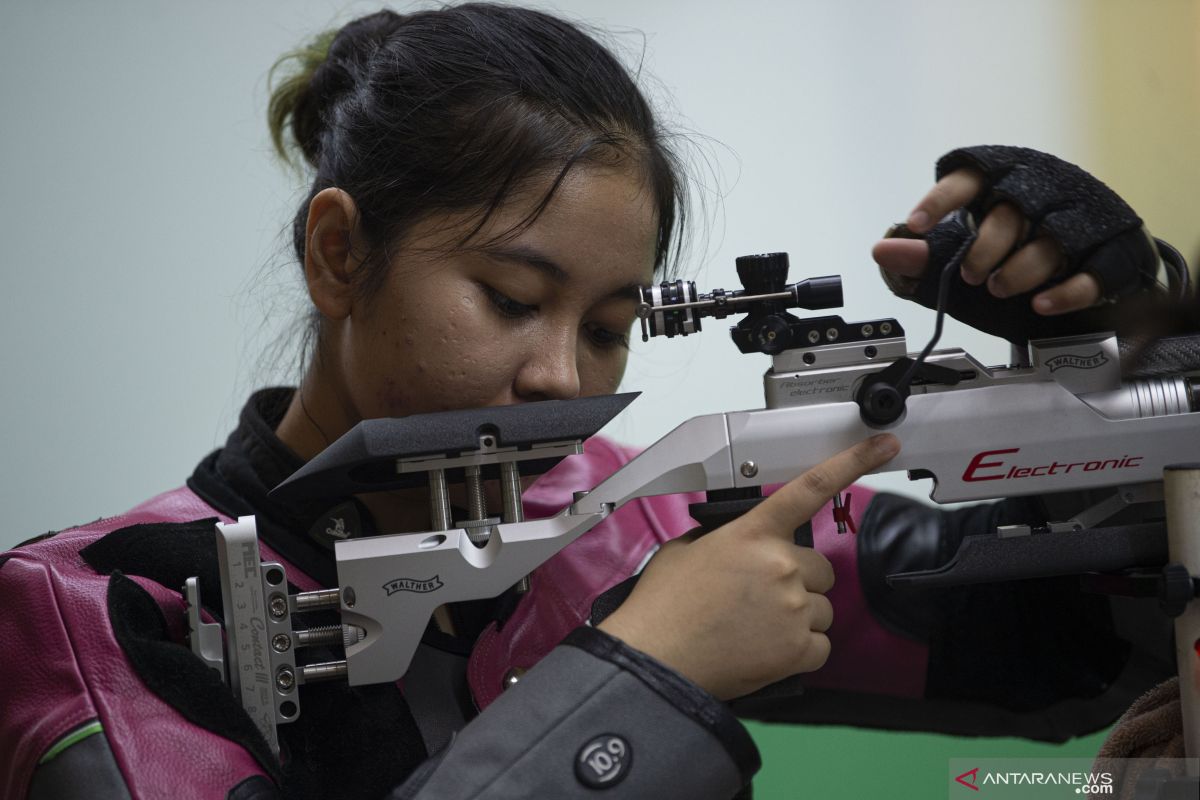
<point x="744" y="606"/>
<point x="1000" y="230"/>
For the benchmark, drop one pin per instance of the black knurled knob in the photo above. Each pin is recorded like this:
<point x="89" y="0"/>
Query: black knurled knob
<point x="763" y="273"/>
<point x="1176" y="589"/>
<point x="772" y="335"/>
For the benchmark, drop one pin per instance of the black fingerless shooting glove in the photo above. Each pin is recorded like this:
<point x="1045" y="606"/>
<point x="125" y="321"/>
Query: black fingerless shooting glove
<point x="1096" y="230"/>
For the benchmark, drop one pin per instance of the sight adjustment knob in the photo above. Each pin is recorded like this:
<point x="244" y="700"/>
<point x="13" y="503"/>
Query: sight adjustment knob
<point x="764" y="273"/>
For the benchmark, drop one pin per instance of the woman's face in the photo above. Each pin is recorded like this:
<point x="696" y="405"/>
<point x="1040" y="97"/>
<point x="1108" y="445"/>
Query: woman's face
<point x="545" y="314"/>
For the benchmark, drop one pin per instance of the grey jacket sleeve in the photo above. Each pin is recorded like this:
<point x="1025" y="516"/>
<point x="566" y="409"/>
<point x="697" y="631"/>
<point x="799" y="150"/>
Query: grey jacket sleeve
<point x="593" y="714"/>
<point x="1039" y="658"/>
<point x="81" y="766"/>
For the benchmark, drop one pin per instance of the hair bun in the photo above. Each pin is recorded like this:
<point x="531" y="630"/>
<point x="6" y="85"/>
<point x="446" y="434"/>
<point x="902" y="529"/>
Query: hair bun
<point x="318" y="76"/>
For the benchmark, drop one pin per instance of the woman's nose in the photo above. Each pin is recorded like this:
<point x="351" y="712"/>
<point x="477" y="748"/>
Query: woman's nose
<point x="550" y="370"/>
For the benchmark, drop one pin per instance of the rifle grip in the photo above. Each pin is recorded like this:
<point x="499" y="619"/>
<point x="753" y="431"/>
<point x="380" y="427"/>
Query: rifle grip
<point x="725" y="505"/>
<point x="717" y="511"/>
<point x="721" y="507"/>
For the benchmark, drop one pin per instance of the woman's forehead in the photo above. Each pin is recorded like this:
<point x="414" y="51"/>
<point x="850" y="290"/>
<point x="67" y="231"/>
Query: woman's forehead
<point x="598" y="217"/>
<point x="597" y="222"/>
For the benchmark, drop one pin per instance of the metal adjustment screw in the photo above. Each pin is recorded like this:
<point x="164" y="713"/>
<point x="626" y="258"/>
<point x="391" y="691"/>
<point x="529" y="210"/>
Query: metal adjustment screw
<point x="510" y="491"/>
<point x="439" y="500"/>
<point x="479" y="530"/>
<point x="476" y="496"/>
<point x="285" y="679"/>
<point x="325" y="671"/>
<point x="885" y="328"/>
<point x="831" y="334"/>
<point x="321" y="598"/>
<point x="867" y="330"/>
<point x="281" y="642"/>
<point x="352" y="634"/>
<point x="278" y="606"/>
<point x="512" y="677"/>
<point x="323" y="635"/>
<point x="814" y="336"/>
<point x="749" y="469"/>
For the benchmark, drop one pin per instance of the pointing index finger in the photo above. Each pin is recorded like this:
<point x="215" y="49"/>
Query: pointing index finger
<point x="951" y="192"/>
<point x="796" y="502"/>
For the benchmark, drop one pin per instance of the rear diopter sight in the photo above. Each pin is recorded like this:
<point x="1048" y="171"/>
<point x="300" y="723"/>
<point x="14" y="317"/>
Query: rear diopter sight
<point x="675" y="308"/>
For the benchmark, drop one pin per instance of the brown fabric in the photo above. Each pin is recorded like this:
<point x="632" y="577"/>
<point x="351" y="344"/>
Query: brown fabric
<point x="1152" y="729"/>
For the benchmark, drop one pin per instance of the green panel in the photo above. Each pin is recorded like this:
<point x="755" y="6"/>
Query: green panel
<point x="834" y="762"/>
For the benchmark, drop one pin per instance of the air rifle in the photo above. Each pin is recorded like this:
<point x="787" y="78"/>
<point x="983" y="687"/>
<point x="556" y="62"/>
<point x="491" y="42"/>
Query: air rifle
<point x="1064" y="419"/>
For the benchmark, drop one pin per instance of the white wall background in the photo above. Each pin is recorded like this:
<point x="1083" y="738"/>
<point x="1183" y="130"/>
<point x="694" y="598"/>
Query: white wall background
<point x="144" y="266"/>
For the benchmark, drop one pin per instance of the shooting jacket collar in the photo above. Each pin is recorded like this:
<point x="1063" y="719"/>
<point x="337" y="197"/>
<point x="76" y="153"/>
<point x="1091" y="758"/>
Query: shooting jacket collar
<point x="237" y="478"/>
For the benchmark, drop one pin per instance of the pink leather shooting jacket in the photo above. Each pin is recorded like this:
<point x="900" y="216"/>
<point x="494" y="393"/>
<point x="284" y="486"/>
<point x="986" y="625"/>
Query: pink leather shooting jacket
<point x="62" y="665"/>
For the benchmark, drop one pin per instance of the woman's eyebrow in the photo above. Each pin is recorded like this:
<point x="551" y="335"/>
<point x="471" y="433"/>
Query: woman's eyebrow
<point x="630" y="291"/>
<point x="531" y="258"/>
<point x="537" y="260"/>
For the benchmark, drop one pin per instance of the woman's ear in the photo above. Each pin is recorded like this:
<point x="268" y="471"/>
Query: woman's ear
<point x="330" y="255"/>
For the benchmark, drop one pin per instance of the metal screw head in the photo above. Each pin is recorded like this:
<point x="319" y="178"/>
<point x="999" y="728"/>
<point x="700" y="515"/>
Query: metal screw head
<point x="285" y="679"/>
<point x="868" y="329"/>
<point x="512" y="677"/>
<point x="749" y="469"/>
<point x="831" y="334"/>
<point x="281" y="642"/>
<point x="814" y="336"/>
<point x="885" y="328"/>
<point x="278" y="606"/>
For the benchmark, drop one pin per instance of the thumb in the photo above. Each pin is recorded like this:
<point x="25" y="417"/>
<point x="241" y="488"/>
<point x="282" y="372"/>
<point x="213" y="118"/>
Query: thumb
<point x="907" y="257"/>
<point x="796" y="502"/>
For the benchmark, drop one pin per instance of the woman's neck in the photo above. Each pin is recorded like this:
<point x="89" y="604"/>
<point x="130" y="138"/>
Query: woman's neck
<point x="301" y="429"/>
<point x="312" y="422"/>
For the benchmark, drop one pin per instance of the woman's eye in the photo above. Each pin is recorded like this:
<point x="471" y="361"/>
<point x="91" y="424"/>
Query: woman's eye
<point x="602" y="337"/>
<point x="506" y="305"/>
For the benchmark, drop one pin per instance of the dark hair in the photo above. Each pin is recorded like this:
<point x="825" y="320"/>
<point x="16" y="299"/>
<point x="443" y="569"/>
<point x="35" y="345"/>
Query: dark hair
<point x="454" y="109"/>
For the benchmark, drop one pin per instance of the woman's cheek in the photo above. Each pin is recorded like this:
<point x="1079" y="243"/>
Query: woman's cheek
<point x="602" y="374"/>
<point x="395" y="396"/>
<point x="443" y="376"/>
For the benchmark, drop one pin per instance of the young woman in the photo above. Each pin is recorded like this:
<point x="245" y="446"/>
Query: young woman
<point x="488" y="184"/>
